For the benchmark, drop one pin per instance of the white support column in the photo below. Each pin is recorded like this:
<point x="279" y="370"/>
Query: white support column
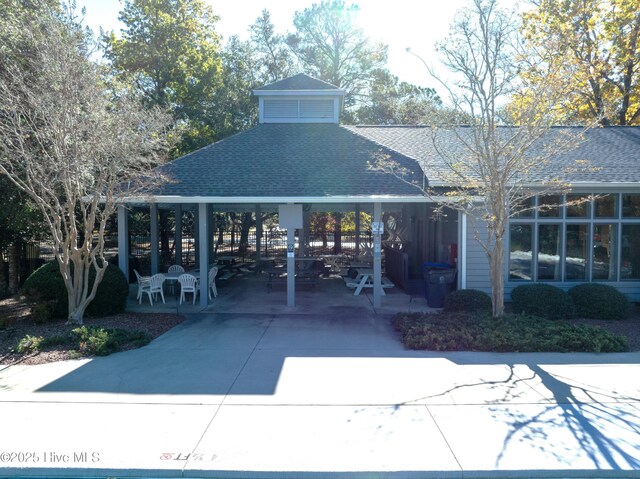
<point x="377" y="258"/>
<point x="155" y="253"/>
<point x="196" y="236"/>
<point x="258" y="232"/>
<point x="291" y="268"/>
<point x="178" y="235"/>
<point x="203" y="229"/>
<point x="357" y="221"/>
<point x="462" y="251"/>
<point x="123" y="240"/>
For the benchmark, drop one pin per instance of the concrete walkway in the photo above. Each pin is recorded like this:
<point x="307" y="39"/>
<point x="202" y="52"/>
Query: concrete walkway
<point x="301" y="395"/>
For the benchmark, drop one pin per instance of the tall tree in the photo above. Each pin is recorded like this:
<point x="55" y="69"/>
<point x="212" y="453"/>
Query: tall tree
<point x="391" y="101"/>
<point x="273" y="57"/>
<point x="598" y="42"/>
<point x="490" y="169"/>
<point x="171" y="51"/>
<point x="69" y="145"/>
<point x="237" y="109"/>
<point x="330" y="46"/>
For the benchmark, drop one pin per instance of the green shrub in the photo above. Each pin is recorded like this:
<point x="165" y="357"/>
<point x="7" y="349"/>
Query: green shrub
<point x="97" y="341"/>
<point x="542" y="300"/>
<point x="468" y="300"/>
<point x="46" y="286"/>
<point x="29" y="344"/>
<point x="599" y="301"/>
<point x="480" y="332"/>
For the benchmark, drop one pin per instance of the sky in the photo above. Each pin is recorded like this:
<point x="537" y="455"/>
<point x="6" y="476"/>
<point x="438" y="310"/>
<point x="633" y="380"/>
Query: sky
<point x="400" y="24"/>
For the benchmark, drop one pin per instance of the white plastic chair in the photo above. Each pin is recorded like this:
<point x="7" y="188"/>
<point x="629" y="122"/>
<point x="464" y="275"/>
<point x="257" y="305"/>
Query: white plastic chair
<point x="153" y="287"/>
<point x="174" y="268"/>
<point x="142" y="280"/>
<point x="212" y="282"/>
<point x="188" y="284"/>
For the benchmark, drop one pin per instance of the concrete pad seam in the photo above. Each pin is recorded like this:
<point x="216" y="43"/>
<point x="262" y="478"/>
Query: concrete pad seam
<point x="213" y="417"/>
<point x="444" y="438"/>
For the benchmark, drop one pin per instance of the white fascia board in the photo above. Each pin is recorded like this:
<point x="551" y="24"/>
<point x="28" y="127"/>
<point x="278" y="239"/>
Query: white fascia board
<point x="287" y="199"/>
<point x="572" y="185"/>
<point x="300" y="93"/>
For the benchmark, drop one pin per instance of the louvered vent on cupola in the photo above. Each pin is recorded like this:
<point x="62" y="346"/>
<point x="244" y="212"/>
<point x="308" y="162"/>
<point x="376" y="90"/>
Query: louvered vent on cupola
<point x="300" y="99"/>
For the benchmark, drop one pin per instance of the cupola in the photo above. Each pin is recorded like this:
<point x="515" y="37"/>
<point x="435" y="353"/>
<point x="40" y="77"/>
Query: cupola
<point x="299" y="99"/>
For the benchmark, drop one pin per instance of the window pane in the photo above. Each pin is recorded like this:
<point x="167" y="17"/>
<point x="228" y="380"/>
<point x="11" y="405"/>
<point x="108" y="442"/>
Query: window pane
<point x="520" y="242"/>
<point x="604" y="252"/>
<point x="605" y="206"/>
<point x="631" y="206"/>
<point x="581" y="207"/>
<point x="549" y="206"/>
<point x="575" y="265"/>
<point x="630" y="260"/>
<point x="548" y="252"/>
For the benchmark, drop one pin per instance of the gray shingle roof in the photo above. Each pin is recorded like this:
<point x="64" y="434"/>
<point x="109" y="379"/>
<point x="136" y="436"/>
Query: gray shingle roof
<point x="612" y="154"/>
<point x="300" y="81"/>
<point x="291" y="160"/>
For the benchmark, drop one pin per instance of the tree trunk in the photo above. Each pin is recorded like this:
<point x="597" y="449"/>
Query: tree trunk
<point x="496" y="265"/>
<point x="337" y="234"/>
<point x="4" y="285"/>
<point x="247" y="222"/>
<point x="13" y="254"/>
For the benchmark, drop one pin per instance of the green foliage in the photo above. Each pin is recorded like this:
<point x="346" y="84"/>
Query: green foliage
<point x="599" y="301"/>
<point x="479" y="332"/>
<point x="29" y="344"/>
<point x="95" y="341"/>
<point x="542" y="300"/>
<point x="391" y="101"/>
<point x="331" y="46"/>
<point x="170" y="51"/>
<point x="46" y="286"/>
<point x="467" y="300"/>
<point x="86" y="341"/>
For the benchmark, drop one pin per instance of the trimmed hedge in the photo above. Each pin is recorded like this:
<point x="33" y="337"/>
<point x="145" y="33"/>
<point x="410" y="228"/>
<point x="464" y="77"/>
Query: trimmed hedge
<point x="599" y="301"/>
<point x="542" y="300"/>
<point x="467" y="300"/>
<point x="46" y="287"/>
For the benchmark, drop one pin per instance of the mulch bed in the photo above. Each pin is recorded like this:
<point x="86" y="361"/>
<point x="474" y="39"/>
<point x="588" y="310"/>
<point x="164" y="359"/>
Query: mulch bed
<point x="15" y="313"/>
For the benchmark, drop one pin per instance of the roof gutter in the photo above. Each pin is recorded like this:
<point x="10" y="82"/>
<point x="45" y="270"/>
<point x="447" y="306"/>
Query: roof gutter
<point x="285" y="199"/>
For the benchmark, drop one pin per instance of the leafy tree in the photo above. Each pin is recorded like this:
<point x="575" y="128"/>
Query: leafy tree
<point x="170" y="50"/>
<point x="597" y="41"/>
<point x="69" y="145"/>
<point x="330" y="46"/>
<point x="273" y="57"/>
<point x="490" y="169"/>
<point x="391" y="102"/>
<point x="237" y="109"/>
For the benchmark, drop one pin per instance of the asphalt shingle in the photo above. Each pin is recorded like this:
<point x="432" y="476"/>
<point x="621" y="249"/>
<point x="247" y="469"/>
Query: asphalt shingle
<point x="611" y="155"/>
<point x="291" y="160"/>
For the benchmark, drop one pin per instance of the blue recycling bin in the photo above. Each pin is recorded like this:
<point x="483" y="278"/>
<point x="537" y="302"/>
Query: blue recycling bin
<point x="439" y="279"/>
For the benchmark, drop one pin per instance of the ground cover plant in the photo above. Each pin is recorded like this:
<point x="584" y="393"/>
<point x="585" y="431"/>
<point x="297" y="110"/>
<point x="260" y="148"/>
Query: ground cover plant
<point x="460" y="331"/>
<point x="25" y="339"/>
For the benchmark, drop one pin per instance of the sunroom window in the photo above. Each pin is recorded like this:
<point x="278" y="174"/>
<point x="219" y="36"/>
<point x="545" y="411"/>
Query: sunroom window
<point x="589" y="238"/>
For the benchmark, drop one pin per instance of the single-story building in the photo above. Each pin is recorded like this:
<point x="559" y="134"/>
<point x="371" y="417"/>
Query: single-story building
<point x="300" y="154"/>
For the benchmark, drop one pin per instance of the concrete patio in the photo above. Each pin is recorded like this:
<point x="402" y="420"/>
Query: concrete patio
<point x="245" y="390"/>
